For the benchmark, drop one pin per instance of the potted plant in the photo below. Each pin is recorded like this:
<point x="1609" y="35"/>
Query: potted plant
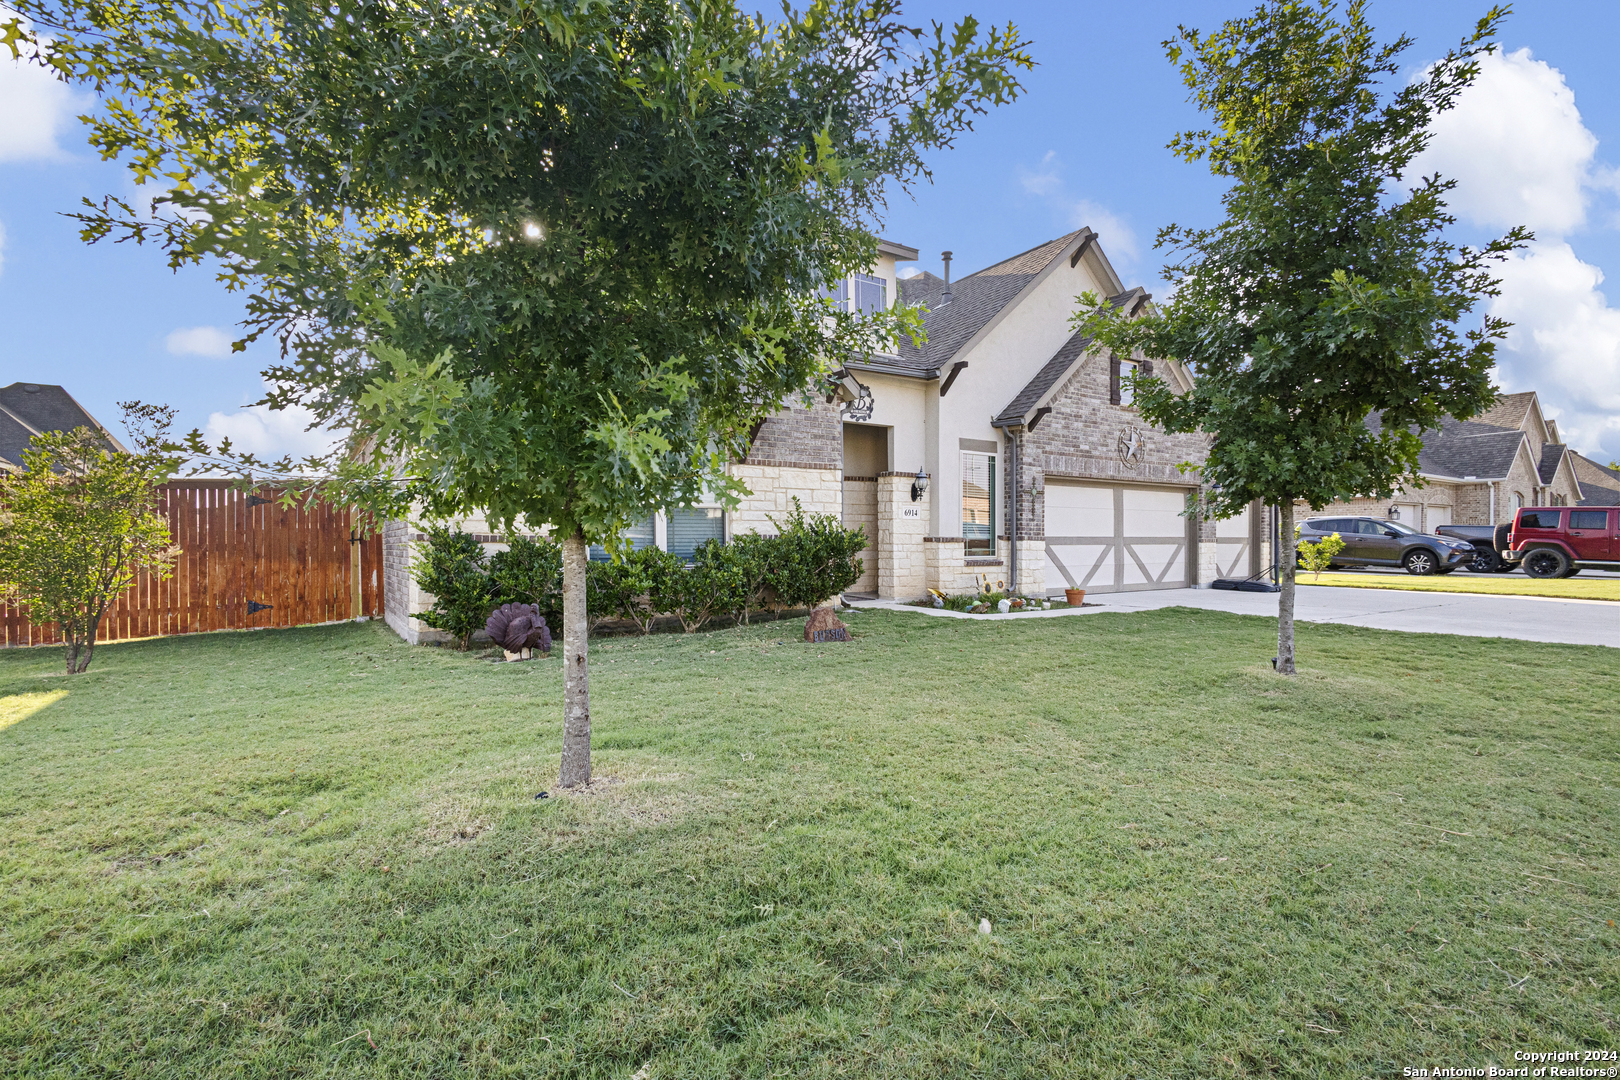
<point x="1075" y="597"/>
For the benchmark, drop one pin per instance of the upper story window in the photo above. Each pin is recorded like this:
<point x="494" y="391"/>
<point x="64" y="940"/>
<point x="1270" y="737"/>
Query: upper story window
<point x="871" y="294"/>
<point x="1127" y="368"/>
<point x="862" y="294"/>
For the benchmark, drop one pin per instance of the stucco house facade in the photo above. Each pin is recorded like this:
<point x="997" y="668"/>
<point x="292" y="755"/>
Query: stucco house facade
<point x="1479" y="471"/>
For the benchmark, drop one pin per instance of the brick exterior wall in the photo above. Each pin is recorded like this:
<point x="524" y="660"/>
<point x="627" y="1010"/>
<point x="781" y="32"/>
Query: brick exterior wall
<point x="1080" y="439"/>
<point x="801" y="437"/>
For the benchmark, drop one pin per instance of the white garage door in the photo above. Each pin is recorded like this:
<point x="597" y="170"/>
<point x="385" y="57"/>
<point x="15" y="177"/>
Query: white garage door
<point x="1232" y="546"/>
<point x="1435" y="516"/>
<point x="1116" y="539"/>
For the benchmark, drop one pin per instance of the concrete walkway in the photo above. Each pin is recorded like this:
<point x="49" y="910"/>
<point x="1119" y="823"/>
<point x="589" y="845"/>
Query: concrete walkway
<point x="1527" y="618"/>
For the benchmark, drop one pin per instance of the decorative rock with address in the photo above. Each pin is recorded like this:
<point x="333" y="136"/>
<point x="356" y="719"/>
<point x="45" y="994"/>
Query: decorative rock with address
<point x="824" y="625"/>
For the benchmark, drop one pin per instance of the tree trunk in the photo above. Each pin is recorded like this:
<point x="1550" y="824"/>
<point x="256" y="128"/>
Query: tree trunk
<point x="1285" y="578"/>
<point x="576" y="755"/>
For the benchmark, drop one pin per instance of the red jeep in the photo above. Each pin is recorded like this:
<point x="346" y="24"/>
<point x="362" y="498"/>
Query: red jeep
<point x="1561" y="541"/>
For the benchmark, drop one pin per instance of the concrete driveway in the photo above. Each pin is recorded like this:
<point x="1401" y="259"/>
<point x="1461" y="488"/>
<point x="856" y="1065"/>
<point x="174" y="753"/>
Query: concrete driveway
<point x="1527" y="618"/>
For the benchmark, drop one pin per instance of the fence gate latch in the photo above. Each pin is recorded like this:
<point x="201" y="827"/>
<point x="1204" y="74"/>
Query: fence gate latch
<point x="254" y="500"/>
<point x="254" y="607"/>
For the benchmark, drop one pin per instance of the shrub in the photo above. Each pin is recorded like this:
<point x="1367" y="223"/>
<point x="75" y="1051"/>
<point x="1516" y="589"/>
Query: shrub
<point x="529" y="572"/>
<point x="712" y="587"/>
<point x="1316" y="556"/>
<point x="632" y="587"/>
<point x="749" y="559"/>
<point x="452" y="569"/>
<point x="812" y="557"/>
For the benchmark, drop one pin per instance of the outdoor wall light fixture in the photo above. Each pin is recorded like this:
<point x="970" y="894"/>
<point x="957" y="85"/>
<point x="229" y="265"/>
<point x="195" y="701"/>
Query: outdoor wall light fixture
<point x="919" y="486"/>
<point x="1394" y="513"/>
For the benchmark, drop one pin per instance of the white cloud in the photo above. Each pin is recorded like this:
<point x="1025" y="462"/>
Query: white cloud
<point x="1047" y="184"/>
<point x="199" y="341"/>
<point x="269" y="434"/>
<point x="36" y="109"/>
<point x="1517" y="147"/>
<point x="1565" y="344"/>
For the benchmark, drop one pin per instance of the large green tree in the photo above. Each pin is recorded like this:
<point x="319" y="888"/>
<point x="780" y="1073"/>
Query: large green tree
<point x="549" y="259"/>
<point x="1329" y="291"/>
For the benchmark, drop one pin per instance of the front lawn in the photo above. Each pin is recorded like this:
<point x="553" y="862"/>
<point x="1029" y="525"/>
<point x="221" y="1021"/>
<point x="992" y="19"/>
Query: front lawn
<point x="1575" y="588"/>
<point x="318" y="852"/>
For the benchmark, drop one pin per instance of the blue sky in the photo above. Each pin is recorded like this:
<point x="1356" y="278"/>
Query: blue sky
<point x="1535" y="143"/>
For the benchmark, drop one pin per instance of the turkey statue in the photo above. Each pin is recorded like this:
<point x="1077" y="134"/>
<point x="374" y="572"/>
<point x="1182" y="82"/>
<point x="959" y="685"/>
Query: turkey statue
<point x="519" y="629"/>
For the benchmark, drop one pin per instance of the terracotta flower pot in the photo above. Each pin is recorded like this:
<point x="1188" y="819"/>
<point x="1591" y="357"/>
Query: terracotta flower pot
<point x="1075" y="597"/>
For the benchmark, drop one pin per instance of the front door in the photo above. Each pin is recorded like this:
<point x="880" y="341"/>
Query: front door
<point x="1589" y="534"/>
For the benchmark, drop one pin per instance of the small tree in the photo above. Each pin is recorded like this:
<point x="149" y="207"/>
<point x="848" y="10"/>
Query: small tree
<point x="77" y="526"/>
<point x="1328" y="291"/>
<point x="452" y="569"/>
<point x="1317" y="555"/>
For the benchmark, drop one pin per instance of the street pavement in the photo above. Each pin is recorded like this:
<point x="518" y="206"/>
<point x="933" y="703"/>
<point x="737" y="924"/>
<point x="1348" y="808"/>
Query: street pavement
<point x="1527" y="618"/>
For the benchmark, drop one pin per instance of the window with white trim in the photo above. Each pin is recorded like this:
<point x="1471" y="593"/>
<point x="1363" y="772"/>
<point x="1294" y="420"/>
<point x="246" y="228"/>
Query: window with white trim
<point x="1126" y="369"/>
<point x="678" y="530"/>
<point x="979" y="503"/>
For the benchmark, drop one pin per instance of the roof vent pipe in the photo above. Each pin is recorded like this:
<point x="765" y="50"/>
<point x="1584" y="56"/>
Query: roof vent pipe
<point x="945" y="294"/>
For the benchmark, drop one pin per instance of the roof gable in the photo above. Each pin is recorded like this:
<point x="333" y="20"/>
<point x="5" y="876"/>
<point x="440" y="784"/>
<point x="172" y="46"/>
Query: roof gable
<point x="1058" y="370"/>
<point x="976" y="301"/>
<point x="46" y="407"/>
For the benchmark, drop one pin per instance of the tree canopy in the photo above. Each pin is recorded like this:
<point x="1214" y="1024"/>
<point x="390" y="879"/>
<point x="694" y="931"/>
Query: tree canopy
<point x="551" y="260"/>
<point x="1328" y="292"/>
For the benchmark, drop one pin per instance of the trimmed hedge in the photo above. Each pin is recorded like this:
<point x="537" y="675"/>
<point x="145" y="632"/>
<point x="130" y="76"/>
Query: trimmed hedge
<point x="812" y="558"/>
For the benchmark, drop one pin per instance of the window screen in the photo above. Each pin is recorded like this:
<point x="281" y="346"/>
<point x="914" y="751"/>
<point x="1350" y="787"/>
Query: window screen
<point x="689" y="528"/>
<point x="979" y="503"/>
<point x="1589" y="519"/>
<point x="1539" y="519"/>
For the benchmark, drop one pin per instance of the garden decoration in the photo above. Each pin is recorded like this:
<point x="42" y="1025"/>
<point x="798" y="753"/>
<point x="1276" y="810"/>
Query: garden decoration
<point x="824" y="625"/>
<point x="519" y="629"/>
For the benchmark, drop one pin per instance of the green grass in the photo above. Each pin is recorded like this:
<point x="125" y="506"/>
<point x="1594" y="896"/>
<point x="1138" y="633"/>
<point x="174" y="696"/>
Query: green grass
<point x="258" y="854"/>
<point x="1575" y="588"/>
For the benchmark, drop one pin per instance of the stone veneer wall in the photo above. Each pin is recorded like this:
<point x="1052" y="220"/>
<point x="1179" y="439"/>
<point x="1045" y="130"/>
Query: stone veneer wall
<point x="772" y="489"/>
<point x="860" y="508"/>
<point x="902" y="524"/>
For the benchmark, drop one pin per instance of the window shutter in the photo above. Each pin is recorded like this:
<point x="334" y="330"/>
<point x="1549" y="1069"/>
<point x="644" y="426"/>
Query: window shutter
<point x="1113" y="380"/>
<point x="1147" y="367"/>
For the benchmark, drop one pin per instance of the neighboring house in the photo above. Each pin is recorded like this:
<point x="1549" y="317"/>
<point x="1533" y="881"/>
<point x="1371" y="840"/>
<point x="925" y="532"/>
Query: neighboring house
<point x="1017" y="429"/>
<point x="1600" y="484"/>
<point x="29" y="409"/>
<point x="1479" y="471"/>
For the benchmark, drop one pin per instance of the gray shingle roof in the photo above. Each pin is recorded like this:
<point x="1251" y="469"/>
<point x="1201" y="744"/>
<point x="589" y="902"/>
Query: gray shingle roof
<point x="1057" y="369"/>
<point x="1600" y="485"/>
<point x="975" y="300"/>
<point x="14" y="438"/>
<point x="37" y="407"/>
<point x="1551" y="455"/>
<point x="1463" y="448"/>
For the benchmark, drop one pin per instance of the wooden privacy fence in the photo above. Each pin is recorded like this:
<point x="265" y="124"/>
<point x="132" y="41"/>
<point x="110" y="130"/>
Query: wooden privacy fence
<point x="245" y="562"/>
